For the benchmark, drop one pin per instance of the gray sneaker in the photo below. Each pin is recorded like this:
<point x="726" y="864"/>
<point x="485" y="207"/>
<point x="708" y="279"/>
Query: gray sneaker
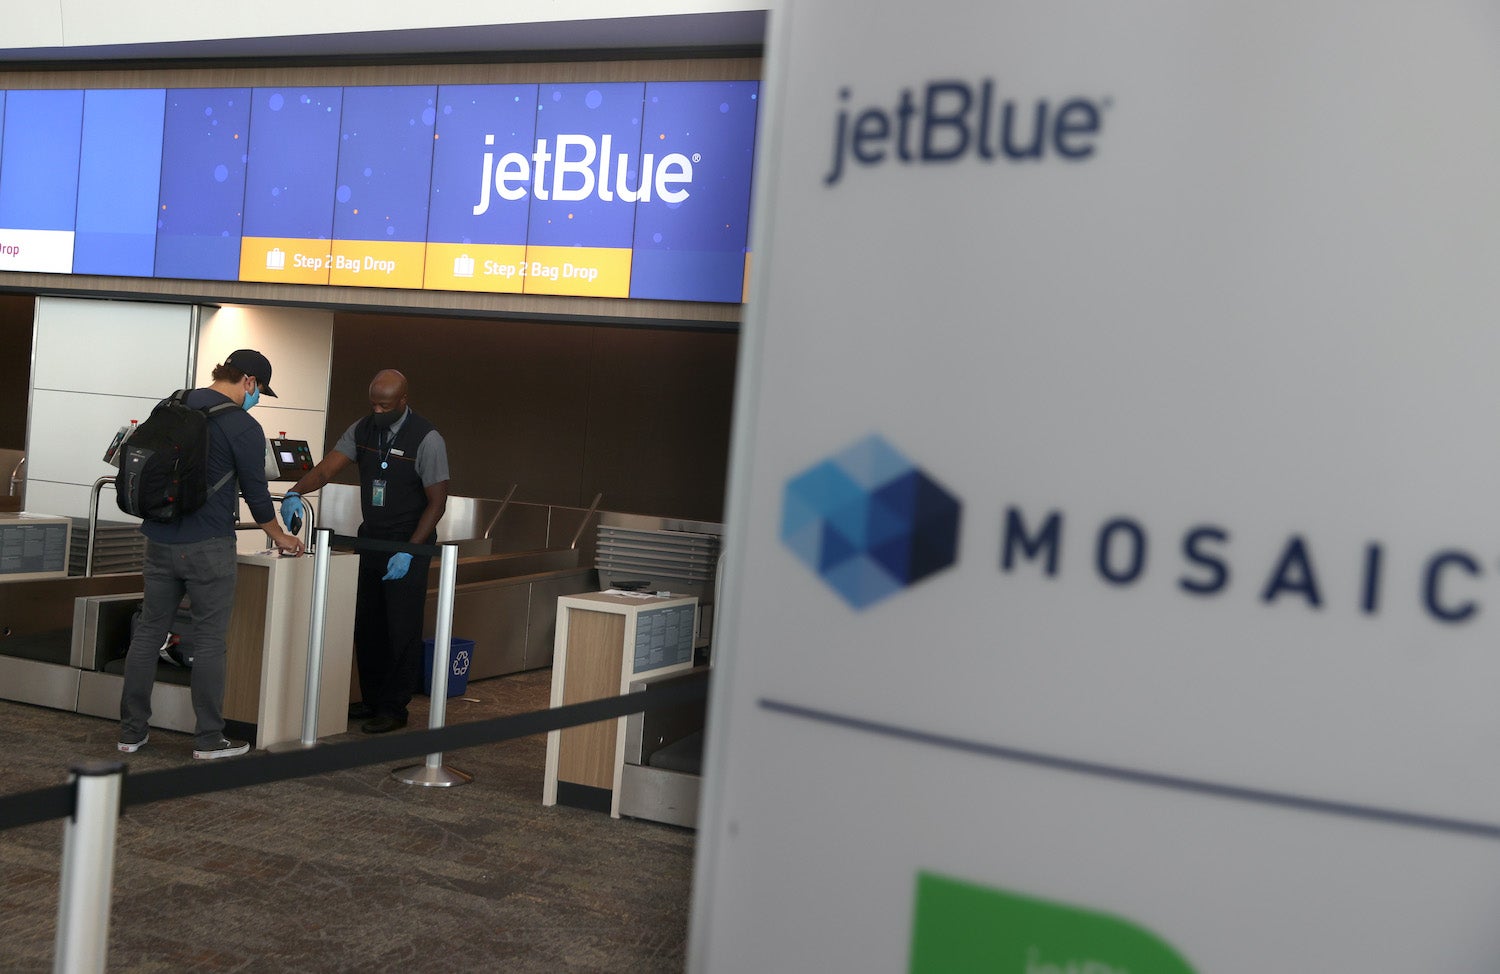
<point x="223" y="749"/>
<point x="130" y="747"/>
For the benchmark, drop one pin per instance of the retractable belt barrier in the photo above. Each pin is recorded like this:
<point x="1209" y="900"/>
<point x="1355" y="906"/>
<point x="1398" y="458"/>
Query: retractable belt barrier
<point x="44" y="804"/>
<point x="392" y="547"/>
<point x="99" y="791"/>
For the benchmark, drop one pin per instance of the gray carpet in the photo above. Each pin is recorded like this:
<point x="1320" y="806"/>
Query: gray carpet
<point x="352" y="871"/>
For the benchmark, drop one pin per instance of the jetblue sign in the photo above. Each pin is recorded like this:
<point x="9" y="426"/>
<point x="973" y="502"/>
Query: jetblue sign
<point x="952" y="121"/>
<point x="1199" y="361"/>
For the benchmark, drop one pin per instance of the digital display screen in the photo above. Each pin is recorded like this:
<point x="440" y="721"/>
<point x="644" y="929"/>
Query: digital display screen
<point x="695" y="249"/>
<point x="477" y="218"/>
<point x="625" y="190"/>
<point x="119" y="182"/>
<point x="286" y="456"/>
<point x="205" y="146"/>
<point x="39" y="161"/>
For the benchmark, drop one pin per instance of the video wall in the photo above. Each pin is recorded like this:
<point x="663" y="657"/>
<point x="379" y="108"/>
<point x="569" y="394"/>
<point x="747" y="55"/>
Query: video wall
<point x="622" y="190"/>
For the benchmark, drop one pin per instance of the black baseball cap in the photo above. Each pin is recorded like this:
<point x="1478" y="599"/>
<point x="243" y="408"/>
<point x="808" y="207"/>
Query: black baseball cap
<point x="251" y="362"/>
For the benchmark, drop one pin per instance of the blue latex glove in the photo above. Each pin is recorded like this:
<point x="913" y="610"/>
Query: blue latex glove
<point x="396" y="567"/>
<point x="291" y="507"/>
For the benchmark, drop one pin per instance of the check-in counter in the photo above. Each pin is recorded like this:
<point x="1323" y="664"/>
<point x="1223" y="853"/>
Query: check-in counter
<point x="606" y="640"/>
<point x="267" y="650"/>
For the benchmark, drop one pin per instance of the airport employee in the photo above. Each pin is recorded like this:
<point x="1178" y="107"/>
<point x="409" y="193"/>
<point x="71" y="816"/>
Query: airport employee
<point x="403" y="491"/>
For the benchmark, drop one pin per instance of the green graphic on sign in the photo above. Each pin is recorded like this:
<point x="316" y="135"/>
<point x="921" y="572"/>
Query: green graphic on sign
<point x="960" y="927"/>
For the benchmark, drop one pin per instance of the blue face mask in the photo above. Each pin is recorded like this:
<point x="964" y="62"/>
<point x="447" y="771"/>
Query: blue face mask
<point x="252" y="397"/>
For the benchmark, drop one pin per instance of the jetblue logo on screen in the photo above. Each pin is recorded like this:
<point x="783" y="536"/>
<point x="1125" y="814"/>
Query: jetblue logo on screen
<point x="954" y="121"/>
<point x="869" y="522"/>
<point x="582" y="168"/>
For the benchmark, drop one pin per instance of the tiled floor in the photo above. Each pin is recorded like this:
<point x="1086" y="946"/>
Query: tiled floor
<point x="352" y="871"/>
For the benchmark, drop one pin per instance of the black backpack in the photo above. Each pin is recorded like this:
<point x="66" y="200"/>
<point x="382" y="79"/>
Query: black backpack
<point x="164" y="464"/>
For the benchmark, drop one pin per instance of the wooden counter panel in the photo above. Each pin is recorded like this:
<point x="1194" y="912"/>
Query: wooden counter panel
<point x="246" y="639"/>
<point x="595" y="654"/>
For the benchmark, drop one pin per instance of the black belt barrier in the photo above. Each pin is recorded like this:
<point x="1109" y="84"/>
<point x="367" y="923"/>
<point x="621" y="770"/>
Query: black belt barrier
<point x="29" y="808"/>
<point x="377" y="544"/>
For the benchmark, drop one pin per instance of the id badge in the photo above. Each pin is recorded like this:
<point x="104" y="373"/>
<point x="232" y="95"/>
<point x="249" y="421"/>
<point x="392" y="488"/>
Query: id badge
<point x="377" y="493"/>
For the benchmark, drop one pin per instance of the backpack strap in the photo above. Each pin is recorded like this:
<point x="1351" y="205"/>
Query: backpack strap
<point x="222" y="481"/>
<point x="211" y="412"/>
<point x="180" y="396"/>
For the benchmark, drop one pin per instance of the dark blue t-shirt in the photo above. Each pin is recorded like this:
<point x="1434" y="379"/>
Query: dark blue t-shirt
<point x="235" y="442"/>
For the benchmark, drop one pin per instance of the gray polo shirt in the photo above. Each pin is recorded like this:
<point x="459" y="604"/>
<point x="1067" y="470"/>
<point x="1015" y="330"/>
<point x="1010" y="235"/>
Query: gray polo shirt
<point x="432" y="452"/>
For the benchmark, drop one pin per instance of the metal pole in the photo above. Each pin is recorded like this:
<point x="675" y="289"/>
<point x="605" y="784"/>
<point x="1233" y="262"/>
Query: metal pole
<point x="315" y="631"/>
<point x="15" y="474"/>
<point x="88" y="559"/>
<point x="585" y="522"/>
<point x="503" y="505"/>
<point x="88" y="868"/>
<point x="434" y="773"/>
<point x="317" y="628"/>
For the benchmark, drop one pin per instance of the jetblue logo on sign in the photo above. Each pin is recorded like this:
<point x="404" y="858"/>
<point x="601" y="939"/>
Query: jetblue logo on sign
<point x="869" y="522"/>
<point x="953" y="121"/>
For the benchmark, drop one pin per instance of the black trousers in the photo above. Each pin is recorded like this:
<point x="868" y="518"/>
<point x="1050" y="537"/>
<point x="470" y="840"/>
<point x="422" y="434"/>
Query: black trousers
<point x="388" y="633"/>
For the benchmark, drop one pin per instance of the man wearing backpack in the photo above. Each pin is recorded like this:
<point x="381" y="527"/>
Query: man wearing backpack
<point x="194" y="554"/>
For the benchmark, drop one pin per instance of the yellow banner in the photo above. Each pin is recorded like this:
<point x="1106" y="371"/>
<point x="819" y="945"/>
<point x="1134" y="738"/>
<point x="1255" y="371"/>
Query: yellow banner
<point x="595" y="272"/>
<point x="284" y="260"/>
<point x="497" y="268"/>
<point x="377" y="263"/>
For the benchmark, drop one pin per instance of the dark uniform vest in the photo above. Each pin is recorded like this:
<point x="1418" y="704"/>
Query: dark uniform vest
<point x="405" y="497"/>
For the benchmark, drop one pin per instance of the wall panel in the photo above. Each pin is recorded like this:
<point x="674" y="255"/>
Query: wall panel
<point x="16" y="319"/>
<point x="641" y="415"/>
<point x="98" y="364"/>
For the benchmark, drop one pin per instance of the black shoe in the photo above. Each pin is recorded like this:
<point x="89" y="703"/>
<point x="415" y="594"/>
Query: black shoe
<point x="130" y="747"/>
<point x="382" y="724"/>
<point x="361" y="711"/>
<point x="222" y="748"/>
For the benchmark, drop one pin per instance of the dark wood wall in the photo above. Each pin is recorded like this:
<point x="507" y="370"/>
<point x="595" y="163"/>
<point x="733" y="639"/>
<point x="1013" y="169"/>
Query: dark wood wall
<point x="16" y="314"/>
<point x="563" y="410"/>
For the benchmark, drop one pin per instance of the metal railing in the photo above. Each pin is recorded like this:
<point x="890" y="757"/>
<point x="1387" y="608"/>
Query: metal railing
<point x="309" y="523"/>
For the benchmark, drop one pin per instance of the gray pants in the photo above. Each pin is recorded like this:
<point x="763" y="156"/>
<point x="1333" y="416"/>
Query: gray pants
<point x="205" y="572"/>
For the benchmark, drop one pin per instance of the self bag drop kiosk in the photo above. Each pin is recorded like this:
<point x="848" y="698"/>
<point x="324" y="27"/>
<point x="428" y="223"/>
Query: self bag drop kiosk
<point x="287" y="459"/>
<point x="63" y="634"/>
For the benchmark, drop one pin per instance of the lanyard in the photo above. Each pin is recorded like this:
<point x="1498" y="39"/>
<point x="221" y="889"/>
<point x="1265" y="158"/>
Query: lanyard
<point x="383" y="449"/>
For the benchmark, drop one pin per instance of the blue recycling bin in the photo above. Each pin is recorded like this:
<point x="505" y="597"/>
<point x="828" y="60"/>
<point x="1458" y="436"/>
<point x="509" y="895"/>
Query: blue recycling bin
<point x="460" y="654"/>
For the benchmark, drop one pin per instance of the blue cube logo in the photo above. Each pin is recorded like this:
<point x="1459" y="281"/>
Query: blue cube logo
<point x="869" y="522"/>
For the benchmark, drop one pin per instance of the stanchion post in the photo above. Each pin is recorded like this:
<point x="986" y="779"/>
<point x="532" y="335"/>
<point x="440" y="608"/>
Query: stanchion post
<point x="433" y="773"/>
<point x="88" y="868"/>
<point x="316" y="629"/>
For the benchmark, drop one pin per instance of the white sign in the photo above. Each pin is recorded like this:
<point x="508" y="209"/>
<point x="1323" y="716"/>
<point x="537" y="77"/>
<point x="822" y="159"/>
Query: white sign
<point x="48" y="251"/>
<point x="1114" y="552"/>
